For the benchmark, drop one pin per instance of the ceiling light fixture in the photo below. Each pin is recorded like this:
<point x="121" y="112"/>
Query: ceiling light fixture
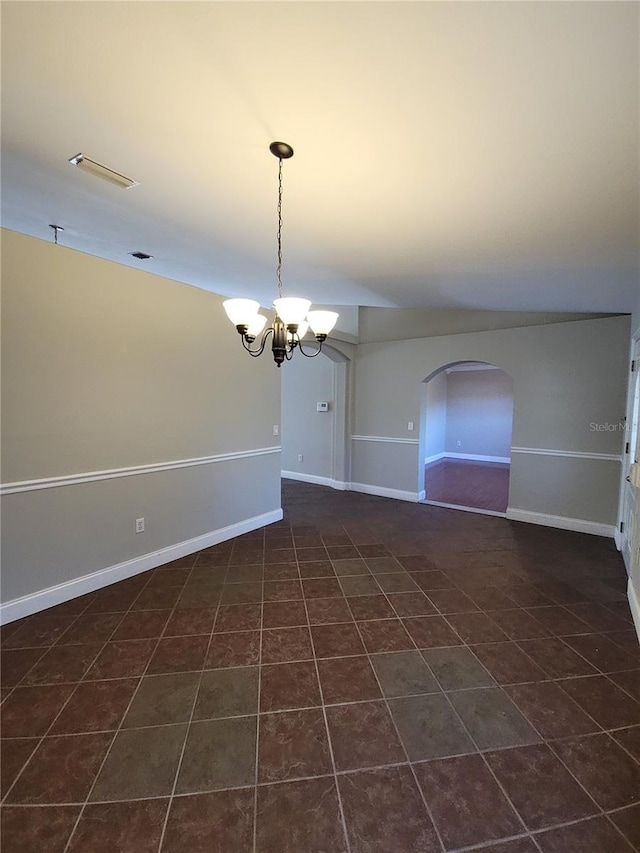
<point x="104" y="172"/>
<point x="292" y="318"/>
<point x="56" y="228"/>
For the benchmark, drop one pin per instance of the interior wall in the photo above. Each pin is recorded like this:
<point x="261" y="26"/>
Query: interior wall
<point x="479" y="413"/>
<point x="306" y="382"/>
<point x="401" y="324"/>
<point x="566" y="378"/>
<point x="634" y="590"/>
<point x="108" y="368"/>
<point x="434" y="420"/>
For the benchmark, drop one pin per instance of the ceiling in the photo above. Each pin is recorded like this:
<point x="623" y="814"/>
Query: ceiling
<point x="447" y="155"/>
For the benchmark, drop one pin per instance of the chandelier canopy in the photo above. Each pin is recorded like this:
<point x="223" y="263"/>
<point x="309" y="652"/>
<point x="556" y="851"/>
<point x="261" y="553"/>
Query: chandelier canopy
<point x="292" y="318"/>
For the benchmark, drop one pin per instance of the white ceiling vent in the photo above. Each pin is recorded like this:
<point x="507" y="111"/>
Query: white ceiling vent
<point x="104" y="172"/>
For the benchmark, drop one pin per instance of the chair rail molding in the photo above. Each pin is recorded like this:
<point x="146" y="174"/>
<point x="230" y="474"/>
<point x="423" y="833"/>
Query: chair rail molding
<point x="133" y="471"/>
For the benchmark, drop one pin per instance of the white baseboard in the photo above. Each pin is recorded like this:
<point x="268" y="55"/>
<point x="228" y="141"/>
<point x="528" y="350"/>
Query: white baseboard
<point x="474" y="457"/>
<point x="579" y="525"/>
<point x="634" y="604"/>
<point x="435" y="458"/>
<point x="365" y="488"/>
<point x="617" y="538"/>
<point x="467" y="508"/>
<point x="383" y="492"/>
<point x="314" y="478"/>
<point x="471" y="457"/>
<point x="36" y="601"/>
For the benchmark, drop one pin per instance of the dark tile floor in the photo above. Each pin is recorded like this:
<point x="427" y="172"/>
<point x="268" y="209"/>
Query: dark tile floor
<point x="367" y="675"/>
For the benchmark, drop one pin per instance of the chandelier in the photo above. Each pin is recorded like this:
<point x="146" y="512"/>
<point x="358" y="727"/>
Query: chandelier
<point x="292" y="318"/>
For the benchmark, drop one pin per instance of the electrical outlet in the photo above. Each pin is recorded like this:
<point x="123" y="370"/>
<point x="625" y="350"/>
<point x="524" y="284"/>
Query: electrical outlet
<point x="410" y="426"/>
<point x="300" y="457"/>
<point x="458" y="443"/>
<point x="276" y="429"/>
<point x="139" y="525"/>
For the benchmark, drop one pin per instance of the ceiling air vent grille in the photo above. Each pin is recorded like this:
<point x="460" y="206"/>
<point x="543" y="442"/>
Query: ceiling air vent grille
<point x="141" y="256"/>
<point x="104" y="172"/>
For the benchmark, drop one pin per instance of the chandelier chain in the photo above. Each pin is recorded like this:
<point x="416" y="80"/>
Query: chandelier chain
<point x="279" y="267"/>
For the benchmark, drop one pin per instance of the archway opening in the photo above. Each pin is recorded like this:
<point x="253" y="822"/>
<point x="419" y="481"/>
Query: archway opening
<point x="314" y="419"/>
<point x="465" y="437"/>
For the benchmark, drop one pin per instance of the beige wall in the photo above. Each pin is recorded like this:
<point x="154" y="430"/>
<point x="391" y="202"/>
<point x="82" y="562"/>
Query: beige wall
<point x="305" y="382"/>
<point x="401" y="324"/>
<point x="634" y="595"/>
<point x="105" y="367"/>
<point x="479" y="413"/>
<point x="565" y="377"/>
<point x="434" y="417"/>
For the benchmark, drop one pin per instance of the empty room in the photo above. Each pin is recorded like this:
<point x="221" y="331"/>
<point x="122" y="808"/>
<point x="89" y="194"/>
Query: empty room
<point x="320" y="404"/>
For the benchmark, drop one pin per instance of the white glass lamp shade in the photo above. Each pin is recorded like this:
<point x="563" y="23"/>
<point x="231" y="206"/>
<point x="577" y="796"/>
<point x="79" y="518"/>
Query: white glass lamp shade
<point x="303" y="328"/>
<point x="256" y="325"/>
<point x="322" y="322"/>
<point x="241" y="311"/>
<point x="291" y="310"/>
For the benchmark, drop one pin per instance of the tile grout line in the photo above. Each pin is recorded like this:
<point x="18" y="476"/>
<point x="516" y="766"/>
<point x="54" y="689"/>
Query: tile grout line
<point x="343" y="820"/>
<point x="464" y="726"/>
<point x="119" y="728"/>
<point x="545" y="741"/>
<point x="481" y="753"/>
<point x="485" y="762"/>
<point x="401" y="742"/>
<point x="78" y="683"/>
<point x="556" y="826"/>
<point x="257" y="755"/>
<point x="549" y="743"/>
<point x="550" y="680"/>
<point x="386" y="702"/>
<point x="172" y="794"/>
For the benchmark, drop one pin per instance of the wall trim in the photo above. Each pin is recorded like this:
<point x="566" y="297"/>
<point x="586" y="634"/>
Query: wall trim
<point x="365" y="488"/>
<point x="617" y="538"/>
<point x="634" y="605"/>
<point x="474" y="457"/>
<point x="133" y="471"/>
<point x="579" y="525"/>
<point x="435" y="458"/>
<point x="386" y="438"/>
<point x="466" y="508"/>
<point x="571" y="454"/>
<point x="315" y="478"/>
<point x="383" y="492"/>
<point x="36" y="601"/>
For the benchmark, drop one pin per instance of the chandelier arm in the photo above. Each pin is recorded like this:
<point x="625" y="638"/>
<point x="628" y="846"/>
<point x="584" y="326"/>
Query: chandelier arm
<point x="313" y="354"/>
<point x="257" y="352"/>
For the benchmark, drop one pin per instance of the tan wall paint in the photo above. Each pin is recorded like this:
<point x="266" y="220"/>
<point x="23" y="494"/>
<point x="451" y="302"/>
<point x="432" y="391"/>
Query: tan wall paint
<point x="565" y="377"/>
<point x="107" y="367"/>
<point x="479" y="412"/>
<point x="306" y="431"/>
<point x="401" y="324"/>
<point x="635" y="564"/>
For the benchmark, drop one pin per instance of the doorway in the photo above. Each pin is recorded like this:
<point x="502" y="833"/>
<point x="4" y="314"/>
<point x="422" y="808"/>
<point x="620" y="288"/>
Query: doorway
<point x="315" y="419"/>
<point x="631" y="452"/>
<point x="465" y="437"/>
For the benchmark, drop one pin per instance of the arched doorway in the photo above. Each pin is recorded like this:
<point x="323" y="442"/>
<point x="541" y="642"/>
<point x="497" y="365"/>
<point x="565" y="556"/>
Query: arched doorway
<point x="314" y="441"/>
<point x="465" y="436"/>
